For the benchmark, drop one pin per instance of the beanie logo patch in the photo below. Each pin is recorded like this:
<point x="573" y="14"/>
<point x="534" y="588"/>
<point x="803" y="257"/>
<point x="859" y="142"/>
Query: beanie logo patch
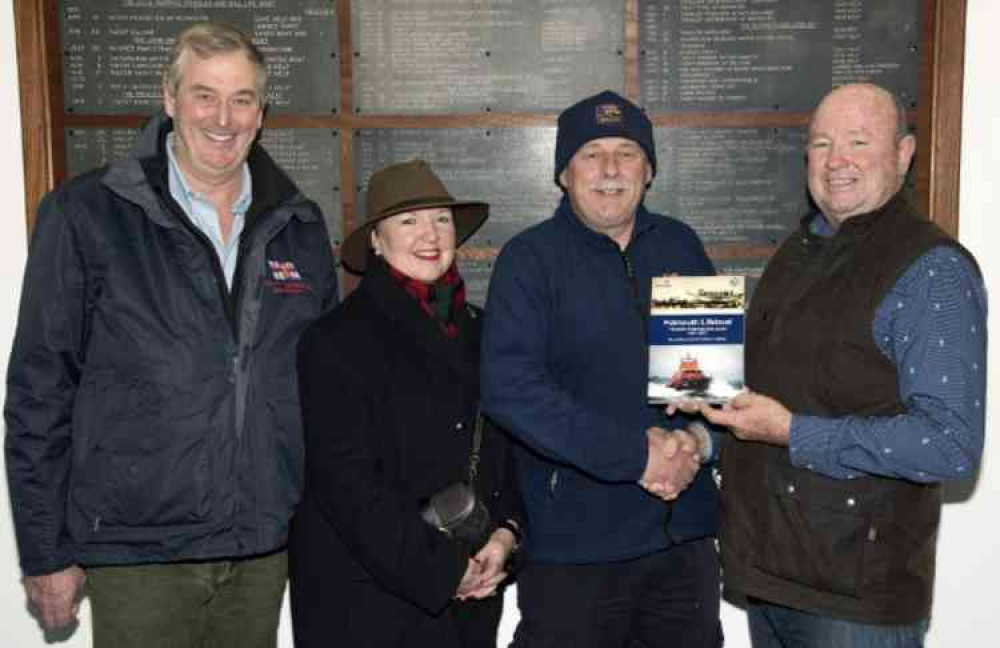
<point x="608" y="114"/>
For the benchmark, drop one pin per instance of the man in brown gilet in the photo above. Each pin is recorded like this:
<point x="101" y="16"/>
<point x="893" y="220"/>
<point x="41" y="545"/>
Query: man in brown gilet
<point x="866" y="361"/>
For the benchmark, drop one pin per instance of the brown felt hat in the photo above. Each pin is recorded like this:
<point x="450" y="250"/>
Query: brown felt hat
<point x="401" y="188"/>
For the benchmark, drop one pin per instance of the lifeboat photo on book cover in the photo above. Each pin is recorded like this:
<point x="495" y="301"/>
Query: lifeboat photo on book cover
<point x="696" y="329"/>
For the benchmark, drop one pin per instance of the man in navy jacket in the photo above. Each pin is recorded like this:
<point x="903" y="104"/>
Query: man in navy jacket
<point x="154" y="444"/>
<point x="620" y="517"/>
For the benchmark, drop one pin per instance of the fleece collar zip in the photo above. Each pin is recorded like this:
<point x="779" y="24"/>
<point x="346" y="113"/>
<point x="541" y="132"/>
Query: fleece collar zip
<point x="644" y="223"/>
<point x="564" y="212"/>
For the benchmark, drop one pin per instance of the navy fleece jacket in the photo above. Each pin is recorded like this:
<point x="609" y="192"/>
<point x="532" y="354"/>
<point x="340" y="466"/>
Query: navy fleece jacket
<point x="564" y="369"/>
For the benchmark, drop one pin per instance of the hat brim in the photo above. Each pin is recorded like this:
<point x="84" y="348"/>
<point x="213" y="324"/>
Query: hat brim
<point x="469" y="216"/>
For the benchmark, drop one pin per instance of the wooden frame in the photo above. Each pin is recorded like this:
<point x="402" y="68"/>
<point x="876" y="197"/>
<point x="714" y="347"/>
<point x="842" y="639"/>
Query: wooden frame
<point x="939" y="114"/>
<point x="40" y="84"/>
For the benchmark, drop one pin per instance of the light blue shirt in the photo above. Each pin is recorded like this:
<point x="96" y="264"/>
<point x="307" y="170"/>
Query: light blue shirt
<point x="204" y="216"/>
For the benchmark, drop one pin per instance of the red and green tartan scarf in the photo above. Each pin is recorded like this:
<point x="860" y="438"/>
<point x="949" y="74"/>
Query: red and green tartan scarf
<point x="441" y="299"/>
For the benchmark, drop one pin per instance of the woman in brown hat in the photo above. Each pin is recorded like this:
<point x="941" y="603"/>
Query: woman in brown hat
<point x="389" y="386"/>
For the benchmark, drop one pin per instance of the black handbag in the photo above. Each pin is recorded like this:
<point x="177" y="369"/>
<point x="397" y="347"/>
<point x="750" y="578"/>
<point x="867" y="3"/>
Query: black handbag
<point x="457" y="510"/>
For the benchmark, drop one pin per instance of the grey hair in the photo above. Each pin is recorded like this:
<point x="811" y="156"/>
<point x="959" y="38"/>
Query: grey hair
<point x="208" y="39"/>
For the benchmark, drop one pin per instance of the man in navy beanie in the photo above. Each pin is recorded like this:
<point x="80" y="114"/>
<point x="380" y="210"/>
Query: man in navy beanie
<point x="621" y="514"/>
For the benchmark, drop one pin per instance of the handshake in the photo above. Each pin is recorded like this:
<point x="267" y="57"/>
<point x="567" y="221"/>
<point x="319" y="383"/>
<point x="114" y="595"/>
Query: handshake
<point x="673" y="460"/>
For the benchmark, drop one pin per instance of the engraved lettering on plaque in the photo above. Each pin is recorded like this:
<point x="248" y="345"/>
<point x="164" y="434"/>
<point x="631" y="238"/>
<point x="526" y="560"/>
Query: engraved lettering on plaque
<point x="732" y="185"/>
<point x="698" y="55"/>
<point x="474" y="56"/>
<point x="114" y="51"/>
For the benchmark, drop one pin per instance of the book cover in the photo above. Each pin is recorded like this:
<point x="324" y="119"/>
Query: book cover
<point x="696" y="333"/>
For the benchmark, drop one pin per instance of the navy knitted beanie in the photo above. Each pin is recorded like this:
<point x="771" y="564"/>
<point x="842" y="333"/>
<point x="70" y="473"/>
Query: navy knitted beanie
<point x="607" y="114"/>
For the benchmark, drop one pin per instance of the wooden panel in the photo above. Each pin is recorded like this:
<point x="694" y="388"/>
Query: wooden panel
<point x="939" y="121"/>
<point x="632" y="50"/>
<point x="113" y="51"/>
<point x="348" y="180"/>
<point x="938" y="116"/>
<point x="40" y="81"/>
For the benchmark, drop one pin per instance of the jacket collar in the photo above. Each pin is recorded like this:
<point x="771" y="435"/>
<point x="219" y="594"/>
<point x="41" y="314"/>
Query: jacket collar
<point x="861" y="226"/>
<point x="644" y="221"/>
<point x="143" y="177"/>
<point x="459" y="353"/>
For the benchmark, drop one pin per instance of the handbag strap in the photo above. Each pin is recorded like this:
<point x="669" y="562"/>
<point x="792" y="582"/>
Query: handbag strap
<point x="477" y="442"/>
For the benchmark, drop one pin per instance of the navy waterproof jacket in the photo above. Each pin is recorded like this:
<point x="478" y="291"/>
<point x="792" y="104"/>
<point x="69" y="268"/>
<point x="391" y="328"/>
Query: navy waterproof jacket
<point x="564" y="369"/>
<point x="152" y="415"/>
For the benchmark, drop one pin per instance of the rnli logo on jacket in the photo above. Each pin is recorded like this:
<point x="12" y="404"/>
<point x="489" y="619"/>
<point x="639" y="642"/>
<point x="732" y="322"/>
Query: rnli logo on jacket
<point x="283" y="270"/>
<point x="285" y="278"/>
<point x="608" y="114"/>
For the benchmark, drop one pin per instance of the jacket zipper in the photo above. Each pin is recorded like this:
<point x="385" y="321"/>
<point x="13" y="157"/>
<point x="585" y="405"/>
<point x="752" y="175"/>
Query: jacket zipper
<point x="220" y="278"/>
<point x="633" y="281"/>
<point x="230" y="299"/>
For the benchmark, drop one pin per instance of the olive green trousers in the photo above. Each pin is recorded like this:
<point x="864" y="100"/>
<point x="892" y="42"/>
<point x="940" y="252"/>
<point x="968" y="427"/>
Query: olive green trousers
<point x="210" y="604"/>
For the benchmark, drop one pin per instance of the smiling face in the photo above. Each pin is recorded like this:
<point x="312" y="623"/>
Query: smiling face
<point x="857" y="161"/>
<point x="419" y="243"/>
<point x="216" y="111"/>
<point x="605" y="181"/>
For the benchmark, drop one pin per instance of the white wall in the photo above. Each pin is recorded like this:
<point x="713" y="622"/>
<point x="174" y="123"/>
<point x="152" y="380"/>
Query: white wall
<point x="969" y="556"/>
<point x="18" y="628"/>
<point x="966" y="605"/>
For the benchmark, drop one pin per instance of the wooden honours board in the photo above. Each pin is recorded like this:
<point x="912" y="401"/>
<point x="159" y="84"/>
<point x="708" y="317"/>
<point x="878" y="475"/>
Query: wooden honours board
<point x="730" y="55"/>
<point x="115" y="50"/>
<point x="475" y="85"/>
<point x="443" y="56"/>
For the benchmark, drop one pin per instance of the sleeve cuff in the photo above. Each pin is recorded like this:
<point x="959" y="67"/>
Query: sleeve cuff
<point x="809" y="446"/>
<point x="705" y="439"/>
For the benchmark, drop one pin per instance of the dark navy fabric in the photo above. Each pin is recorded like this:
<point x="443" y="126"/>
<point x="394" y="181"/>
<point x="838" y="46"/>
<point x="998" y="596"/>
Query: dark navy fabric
<point x="565" y="366"/>
<point x="152" y="414"/>
<point x="667" y="598"/>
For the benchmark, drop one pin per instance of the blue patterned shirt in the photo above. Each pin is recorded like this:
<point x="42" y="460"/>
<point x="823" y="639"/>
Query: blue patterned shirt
<point x="932" y="326"/>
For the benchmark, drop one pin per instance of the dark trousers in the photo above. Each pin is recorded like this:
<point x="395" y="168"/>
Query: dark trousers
<point x="668" y="599"/>
<point x="213" y="604"/>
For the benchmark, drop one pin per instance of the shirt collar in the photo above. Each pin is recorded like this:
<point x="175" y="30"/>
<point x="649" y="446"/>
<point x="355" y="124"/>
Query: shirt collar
<point x="182" y="192"/>
<point x="820" y="226"/>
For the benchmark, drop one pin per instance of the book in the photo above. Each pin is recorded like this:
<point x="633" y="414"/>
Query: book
<point x="696" y="335"/>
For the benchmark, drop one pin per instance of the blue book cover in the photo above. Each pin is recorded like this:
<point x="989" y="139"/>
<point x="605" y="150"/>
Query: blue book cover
<point x="696" y="334"/>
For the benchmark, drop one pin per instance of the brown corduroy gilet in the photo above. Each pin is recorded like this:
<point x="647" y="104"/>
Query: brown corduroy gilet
<point x="863" y="548"/>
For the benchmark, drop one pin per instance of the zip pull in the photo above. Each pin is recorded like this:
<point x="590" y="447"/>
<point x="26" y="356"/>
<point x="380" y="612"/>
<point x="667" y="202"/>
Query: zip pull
<point x="641" y="309"/>
<point x="629" y="270"/>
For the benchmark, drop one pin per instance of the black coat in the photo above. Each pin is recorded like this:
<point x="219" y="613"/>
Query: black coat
<point x="389" y="405"/>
